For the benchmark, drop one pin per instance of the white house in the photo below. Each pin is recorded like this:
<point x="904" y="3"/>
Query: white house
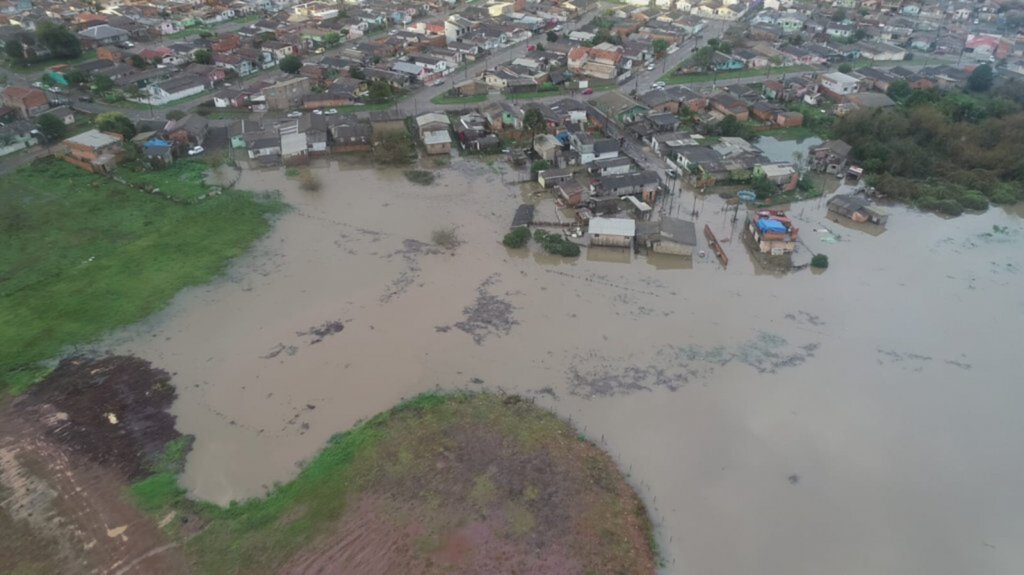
<point x="175" y="89"/>
<point x="839" y="83"/>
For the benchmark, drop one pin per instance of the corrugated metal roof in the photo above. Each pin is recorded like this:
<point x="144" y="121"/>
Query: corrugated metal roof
<point x="612" y="227"/>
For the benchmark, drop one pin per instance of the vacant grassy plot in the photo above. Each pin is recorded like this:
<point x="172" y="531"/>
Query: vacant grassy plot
<point x="83" y="254"/>
<point x="182" y="179"/>
<point x="672" y="78"/>
<point x="462" y="483"/>
<point x="442" y="99"/>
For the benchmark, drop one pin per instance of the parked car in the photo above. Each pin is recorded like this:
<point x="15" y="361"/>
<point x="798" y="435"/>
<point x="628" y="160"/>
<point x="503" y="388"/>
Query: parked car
<point x="650" y="67"/>
<point x="658" y="86"/>
<point x="331" y="111"/>
<point x="196" y="151"/>
<point x="672" y="173"/>
<point x="587" y="91"/>
<point x="318" y="112"/>
<point x="85" y="98"/>
<point x="295" y="114"/>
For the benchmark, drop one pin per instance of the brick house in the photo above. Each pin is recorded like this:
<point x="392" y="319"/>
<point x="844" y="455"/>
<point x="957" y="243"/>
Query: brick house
<point x="28" y="102"/>
<point x="94" y="151"/>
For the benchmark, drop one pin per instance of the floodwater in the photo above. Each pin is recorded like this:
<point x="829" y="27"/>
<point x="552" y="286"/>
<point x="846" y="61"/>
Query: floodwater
<point x="861" y="420"/>
<point x="783" y="150"/>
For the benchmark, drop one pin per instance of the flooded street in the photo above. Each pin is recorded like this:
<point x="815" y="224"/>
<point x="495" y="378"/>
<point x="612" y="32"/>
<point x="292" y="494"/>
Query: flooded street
<point x="860" y="420"/>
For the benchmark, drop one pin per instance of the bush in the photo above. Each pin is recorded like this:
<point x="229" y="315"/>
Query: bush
<point x="517" y="238"/>
<point x="446" y="238"/>
<point x="973" y="201"/>
<point x="819" y="261"/>
<point x="948" y="207"/>
<point x="394" y="148"/>
<point x="556" y="244"/>
<point x="1003" y="197"/>
<point x="309" y="182"/>
<point x="421" y="177"/>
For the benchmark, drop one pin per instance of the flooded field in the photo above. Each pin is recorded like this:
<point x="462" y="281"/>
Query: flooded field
<point x="861" y="420"/>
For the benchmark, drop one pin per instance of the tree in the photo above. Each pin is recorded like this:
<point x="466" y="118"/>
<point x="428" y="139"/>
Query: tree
<point x="899" y="90"/>
<point x="102" y="84"/>
<point x="290" y="64"/>
<point x="63" y="43"/>
<point x="115" y="122"/>
<point x="394" y="148"/>
<point x="380" y="91"/>
<point x="175" y="115"/>
<point x="819" y="261"/>
<point x="980" y="79"/>
<point x="517" y="238"/>
<point x="52" y="127"/>
<point x="138" y="61"/>
<point x="859" y="34"/>
<point x="204" y="57"/>
<point x="660" y="47"/>
<point x="702" y="58"/>
<point x="845" y="68"/>
<point x="75" y="77"/>
<point x="538" y="166"/>
<point x="14" y="49"/>
<point x="356" y="72"/>
<point x="533" y="120"/>
<point x="552" y="36"/>
<point x="839" y="15"/>
<point x="332" y="39"/>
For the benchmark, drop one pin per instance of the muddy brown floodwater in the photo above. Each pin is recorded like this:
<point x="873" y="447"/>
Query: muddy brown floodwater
<point x="861" y="420"/>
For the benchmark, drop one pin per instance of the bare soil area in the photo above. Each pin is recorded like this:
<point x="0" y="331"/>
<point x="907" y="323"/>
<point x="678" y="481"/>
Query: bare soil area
<point x="68" y="451"/>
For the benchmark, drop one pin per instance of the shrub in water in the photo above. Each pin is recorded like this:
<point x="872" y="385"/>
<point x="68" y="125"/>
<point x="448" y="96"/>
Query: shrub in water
<point x="819" y="261"/>
<point x="517" y="238"/>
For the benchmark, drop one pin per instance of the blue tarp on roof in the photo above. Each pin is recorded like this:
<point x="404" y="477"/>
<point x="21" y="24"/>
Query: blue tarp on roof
<point x="157" y="143"/>
<point x="766" y="225"/>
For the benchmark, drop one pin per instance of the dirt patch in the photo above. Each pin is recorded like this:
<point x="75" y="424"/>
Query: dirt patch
<point x="67" y="452"/>
<point x="111" y="410"/>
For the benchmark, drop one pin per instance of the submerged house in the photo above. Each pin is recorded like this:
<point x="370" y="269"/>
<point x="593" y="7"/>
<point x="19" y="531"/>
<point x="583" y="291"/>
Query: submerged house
<point x="668" y="236"/>
<point x="773" y="232"/>
<point x="857" y="208"/>
<point x="611" y="232"/>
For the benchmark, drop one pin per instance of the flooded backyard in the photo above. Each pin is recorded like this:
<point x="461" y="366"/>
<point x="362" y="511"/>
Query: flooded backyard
<point x="860" y="420"/>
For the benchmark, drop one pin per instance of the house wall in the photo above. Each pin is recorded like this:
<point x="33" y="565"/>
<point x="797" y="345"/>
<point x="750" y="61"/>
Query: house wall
<point x="611" y="241"/>
<point x="435" y="149"/>
<point x="672" y="248"/>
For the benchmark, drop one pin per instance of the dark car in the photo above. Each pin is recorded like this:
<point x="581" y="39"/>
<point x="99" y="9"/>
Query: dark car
<point x="85" y="99"/>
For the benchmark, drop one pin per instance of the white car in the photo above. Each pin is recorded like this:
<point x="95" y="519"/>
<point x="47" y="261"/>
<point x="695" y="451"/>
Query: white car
<point x="295" y="114"/>
<point x="318" y="112"/>
<point x="331" y="111"/>
<point x="650" y="67"/>
<point x="196" y="151"/>
<point x="658" y="86"/>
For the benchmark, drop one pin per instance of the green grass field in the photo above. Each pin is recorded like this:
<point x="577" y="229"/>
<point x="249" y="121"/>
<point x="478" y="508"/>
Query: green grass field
<point x="671" y="78"/>
<point x="83" y="255"/>
<point x="425" y="458"/>
<point x="182" y="179"/>
<point x="40" y="66"/>
<point x="443" y="99"/>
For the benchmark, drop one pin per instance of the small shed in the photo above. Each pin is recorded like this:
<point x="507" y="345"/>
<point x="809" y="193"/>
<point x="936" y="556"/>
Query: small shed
<point x="857" y="209"/>
<point x="612" y="232"/>
<point x="158" y="151"/>
<point x="572" y="193"/>
<point x="553" y="177"/>
<point x="437" y="142"/>
<point x="523" y="217"/>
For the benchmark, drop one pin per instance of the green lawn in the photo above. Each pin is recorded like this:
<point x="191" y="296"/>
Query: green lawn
<point x="40" y="66"/>
<point x="443" y="99"/>
<point x="671" y="78"/>
<point x="83" y="255"/>
<point x="182" y="179"/>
